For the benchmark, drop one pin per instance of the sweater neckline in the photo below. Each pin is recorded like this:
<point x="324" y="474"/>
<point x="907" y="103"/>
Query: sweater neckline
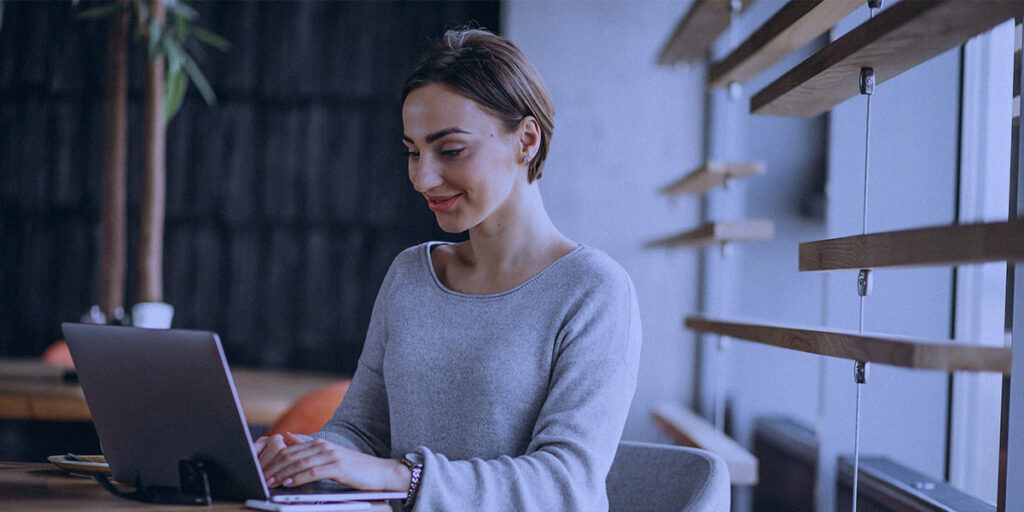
<point x="428" y="261"/>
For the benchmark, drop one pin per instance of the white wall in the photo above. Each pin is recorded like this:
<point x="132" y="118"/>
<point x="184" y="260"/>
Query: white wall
<point x="623" y="128"/>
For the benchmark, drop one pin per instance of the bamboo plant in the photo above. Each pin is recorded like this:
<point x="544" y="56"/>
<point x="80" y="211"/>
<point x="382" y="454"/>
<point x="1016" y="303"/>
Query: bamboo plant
<point x="167" y="28"/>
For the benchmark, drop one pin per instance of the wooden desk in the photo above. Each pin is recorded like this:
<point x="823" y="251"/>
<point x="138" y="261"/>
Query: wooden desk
<point x="30" y="487"/>
<point x="31" y="390"/>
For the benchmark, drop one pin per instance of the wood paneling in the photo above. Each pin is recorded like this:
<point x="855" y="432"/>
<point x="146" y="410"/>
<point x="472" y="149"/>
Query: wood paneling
<point x="710" y="175"/>
<point x="688" y="429"/>
<point x="794" y="25"/>
<point x="895" y="40"/>
<point x="287" y="200"/>
<point x="697" y="30"/>
<point x="719" y="232"/>
<point x="940" y="245"/>
<point x="885" y="349"/>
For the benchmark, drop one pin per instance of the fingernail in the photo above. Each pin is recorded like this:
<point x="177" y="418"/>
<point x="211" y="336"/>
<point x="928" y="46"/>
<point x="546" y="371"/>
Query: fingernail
<point x="270" y="481"/>
<point x="287" y="482"/>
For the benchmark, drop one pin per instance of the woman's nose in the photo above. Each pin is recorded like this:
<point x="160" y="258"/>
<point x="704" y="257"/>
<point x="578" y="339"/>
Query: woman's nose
<point x="424" y="175"/>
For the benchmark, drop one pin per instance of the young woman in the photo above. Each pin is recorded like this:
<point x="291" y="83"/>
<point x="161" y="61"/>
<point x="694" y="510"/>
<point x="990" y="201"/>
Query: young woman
<point x="497" y="372"/>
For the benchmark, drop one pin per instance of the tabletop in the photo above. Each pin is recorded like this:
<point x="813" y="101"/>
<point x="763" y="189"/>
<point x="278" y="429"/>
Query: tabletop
<point x="32" y="487"/>
<point x="32" y="390"/>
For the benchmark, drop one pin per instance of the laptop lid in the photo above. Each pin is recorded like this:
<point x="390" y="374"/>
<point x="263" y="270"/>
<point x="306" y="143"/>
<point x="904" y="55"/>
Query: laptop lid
<point x="160" y="396"/>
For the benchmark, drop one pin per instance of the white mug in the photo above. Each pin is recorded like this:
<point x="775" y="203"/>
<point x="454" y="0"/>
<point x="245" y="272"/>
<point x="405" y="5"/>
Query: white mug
<point x="152" y="315"/>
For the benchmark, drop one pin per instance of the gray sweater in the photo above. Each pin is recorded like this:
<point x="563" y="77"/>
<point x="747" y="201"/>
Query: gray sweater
<point x="516" y="400"/>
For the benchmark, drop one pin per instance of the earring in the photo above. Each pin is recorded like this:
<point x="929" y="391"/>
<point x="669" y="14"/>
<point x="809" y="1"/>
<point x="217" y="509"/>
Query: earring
<point x="526" y="159"/>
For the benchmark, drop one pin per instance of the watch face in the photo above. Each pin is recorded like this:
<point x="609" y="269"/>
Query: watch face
<point x="415" y="458"/>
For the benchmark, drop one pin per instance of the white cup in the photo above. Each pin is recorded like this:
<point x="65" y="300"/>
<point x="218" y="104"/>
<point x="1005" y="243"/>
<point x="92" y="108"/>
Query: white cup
<point x="152" y="315"/>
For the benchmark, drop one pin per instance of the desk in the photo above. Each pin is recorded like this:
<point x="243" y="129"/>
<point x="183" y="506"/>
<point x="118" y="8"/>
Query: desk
<point x="31" y="487"/>
<point x="31" y="390"/>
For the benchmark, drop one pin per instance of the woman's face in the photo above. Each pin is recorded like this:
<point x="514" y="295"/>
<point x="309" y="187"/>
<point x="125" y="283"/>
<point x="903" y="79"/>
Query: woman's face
<point x="461" y="158"/>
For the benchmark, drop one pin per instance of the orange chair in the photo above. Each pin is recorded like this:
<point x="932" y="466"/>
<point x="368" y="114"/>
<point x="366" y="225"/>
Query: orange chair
<point x="58" y="355"/>
<point x="311" y="411"/>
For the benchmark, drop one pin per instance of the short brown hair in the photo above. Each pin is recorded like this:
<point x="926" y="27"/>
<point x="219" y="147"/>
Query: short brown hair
<point x="493" y="72"/>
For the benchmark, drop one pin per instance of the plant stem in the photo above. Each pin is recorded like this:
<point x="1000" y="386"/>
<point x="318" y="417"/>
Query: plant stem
<point x="151" y="221"/>
<point x="112" y="250"/>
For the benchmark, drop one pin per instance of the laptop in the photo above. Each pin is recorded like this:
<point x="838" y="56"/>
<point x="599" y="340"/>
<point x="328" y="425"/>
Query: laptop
<point x="158" y="397"/>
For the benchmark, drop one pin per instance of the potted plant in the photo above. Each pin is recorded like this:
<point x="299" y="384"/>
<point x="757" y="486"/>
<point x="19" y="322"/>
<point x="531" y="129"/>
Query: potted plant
<point x="166" y="27"/>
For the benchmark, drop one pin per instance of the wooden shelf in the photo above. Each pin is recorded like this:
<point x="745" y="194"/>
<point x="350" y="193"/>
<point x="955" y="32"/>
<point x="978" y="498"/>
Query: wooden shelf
<point x="794" y="25"/>
<point x="719" y="232"/>
<point x="694" y="34"/>
<point x="711" y="175"/>
<point x="943" y="245"/>
<point x="897" y="39"/>
<point x="873" y="348"/>
<point x="689" y="429"/>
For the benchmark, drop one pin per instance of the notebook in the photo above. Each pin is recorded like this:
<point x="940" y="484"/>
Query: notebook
<point x="159" y="396"/>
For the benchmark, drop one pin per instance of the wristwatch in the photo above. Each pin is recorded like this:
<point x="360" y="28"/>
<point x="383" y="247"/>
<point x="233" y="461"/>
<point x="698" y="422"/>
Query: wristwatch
<point x="414" y="462"/>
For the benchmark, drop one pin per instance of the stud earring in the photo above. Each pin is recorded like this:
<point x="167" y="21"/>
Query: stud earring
<point x="526" y="159"/>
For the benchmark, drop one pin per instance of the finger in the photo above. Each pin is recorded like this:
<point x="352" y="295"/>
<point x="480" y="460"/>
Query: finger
<point x="289" y="455"/>
<point x="259" y="444"/>
<point x="273" y="446"/>
<point x="326" y="469"/>
<point x="314" y="465"/>
<point x="291" y="438"/>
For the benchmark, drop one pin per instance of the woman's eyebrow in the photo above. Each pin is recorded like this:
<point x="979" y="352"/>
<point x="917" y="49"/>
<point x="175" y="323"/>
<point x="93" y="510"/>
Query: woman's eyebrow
<point x="438" y="134"/>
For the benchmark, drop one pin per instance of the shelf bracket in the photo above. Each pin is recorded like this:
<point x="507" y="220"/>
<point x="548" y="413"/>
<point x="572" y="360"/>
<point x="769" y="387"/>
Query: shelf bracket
<point x="860" y="372"/>
<point x="864" y="282"/>
<point x="867" y="81"/>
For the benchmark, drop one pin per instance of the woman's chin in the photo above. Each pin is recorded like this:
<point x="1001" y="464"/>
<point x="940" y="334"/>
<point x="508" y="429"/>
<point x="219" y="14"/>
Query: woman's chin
<point x="450" y="225"/>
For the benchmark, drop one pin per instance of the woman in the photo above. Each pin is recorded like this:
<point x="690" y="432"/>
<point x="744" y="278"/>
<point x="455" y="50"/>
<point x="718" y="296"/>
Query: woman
<point x="497" y="372"/>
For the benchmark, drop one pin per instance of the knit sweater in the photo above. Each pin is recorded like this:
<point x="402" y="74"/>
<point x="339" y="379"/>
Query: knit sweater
<point x="516" y="400"/>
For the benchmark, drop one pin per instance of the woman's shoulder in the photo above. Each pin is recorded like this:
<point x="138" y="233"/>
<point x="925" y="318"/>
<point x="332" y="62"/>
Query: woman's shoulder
<point x="593" y="265"/>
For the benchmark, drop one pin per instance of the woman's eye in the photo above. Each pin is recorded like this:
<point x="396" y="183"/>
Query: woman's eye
<point x="452" y="152"/>
<point x="415" y="155"/>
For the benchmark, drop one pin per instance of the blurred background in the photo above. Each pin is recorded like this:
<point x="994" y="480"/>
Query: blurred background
<point x="288" y="198"/>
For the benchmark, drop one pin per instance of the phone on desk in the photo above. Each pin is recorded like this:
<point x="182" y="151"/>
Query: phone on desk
<point x="307" y="507"/>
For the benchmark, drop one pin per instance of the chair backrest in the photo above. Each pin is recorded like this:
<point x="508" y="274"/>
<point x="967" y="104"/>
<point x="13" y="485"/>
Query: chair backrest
<point x="648" y="477"/>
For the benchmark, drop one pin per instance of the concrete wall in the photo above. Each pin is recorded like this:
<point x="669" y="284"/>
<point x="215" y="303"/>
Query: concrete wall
<point x="623" y="128"/>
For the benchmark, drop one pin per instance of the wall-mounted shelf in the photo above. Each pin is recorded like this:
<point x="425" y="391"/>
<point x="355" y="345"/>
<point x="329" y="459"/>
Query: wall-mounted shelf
<point x="794" y="25"/>
<point x="719" y="232"/>
<point x="710" y="175"/>
<point x="689" y="429"/>
<point x="942" y="245"/>
<point x="890" y="350"/>
<point x="897" y="39"/>
<point x="696" y="31"/>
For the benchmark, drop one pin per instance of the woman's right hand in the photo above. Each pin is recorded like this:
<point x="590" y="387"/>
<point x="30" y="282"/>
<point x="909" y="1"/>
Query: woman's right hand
<point x="267" y="447"/>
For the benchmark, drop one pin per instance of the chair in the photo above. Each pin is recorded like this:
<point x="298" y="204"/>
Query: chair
<point x="649" y="477"/>
<point x="311" y="411"/>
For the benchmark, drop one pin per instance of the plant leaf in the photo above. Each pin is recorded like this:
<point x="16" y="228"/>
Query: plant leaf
<point x="200" y="81"/>
<point x="174" y="93"/>
<point x="156" y="33"/>
<point x="180" y="27"/>
<point x="102" y="11"/>
<point x="181" y="8"/>
<point x="176" y="54"/>
<point x="209" y="38"/>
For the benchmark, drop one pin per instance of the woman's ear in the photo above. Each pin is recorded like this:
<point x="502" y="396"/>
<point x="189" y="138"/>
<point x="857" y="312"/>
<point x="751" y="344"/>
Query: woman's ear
<point x="529" y="137"/>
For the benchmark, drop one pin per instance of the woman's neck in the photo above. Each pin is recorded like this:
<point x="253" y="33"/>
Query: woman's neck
<point x="522" y="236"/>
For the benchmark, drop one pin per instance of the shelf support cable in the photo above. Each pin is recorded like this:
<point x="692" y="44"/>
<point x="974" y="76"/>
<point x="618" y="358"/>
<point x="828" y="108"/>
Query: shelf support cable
<point x="860" y="368"/>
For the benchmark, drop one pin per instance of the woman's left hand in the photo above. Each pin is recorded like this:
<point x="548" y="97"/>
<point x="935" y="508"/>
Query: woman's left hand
<point x="301" y="462"/>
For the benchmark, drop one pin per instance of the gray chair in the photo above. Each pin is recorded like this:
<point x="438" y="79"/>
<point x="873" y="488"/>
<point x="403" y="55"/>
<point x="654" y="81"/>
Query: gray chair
<point x="660" y="477"/>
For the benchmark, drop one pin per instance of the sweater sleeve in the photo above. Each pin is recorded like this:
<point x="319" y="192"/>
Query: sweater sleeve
<point x="577" y="432"/>
<point x="361" y="421"/>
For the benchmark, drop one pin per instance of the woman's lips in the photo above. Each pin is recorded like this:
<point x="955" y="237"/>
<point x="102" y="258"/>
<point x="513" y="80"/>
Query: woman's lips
<point x="441" y="203"/>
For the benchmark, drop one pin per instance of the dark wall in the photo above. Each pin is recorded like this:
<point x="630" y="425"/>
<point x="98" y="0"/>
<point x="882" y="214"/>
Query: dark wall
<point x="286" y="201"/>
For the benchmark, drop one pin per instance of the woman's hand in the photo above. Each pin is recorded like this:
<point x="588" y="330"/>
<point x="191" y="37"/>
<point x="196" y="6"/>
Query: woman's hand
<point x="289" y="461"/>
